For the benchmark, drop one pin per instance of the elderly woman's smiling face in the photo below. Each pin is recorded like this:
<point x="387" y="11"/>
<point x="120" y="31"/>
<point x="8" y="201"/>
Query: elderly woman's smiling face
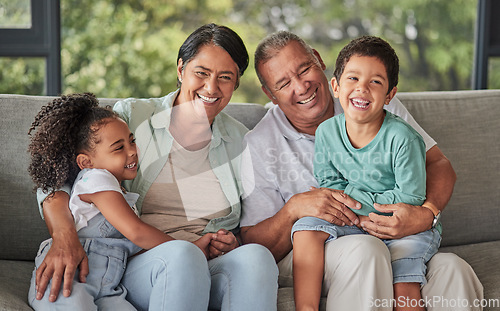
<point x="208" y="80"/>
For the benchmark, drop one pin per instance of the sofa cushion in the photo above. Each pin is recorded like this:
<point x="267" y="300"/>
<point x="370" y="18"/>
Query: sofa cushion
<point x="14" y="284"/>
<point x="483" y="258"/>
<point x="22" y="229"/>
<point x="469" y="138"/>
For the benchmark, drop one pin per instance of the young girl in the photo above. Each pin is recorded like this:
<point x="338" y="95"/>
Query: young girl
<point x="76" y="142"/>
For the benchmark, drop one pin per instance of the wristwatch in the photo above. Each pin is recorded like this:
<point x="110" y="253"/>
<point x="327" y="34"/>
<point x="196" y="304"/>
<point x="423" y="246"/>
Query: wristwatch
<point x="435" y="211"/>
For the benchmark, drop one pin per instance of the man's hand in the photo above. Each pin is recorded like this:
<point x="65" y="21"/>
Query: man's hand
<point x="64" y="257"/>
<point x="328" y="204"/>
<point x="406" y="220"/>
<point x="222" y="242"/>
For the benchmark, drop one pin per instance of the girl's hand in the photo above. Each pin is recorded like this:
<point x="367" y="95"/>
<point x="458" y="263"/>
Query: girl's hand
<point x="204" y="243"/>
<point x="222" y="242"/>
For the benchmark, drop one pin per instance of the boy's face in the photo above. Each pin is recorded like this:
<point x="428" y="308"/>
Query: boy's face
<point x="363" y="89"/>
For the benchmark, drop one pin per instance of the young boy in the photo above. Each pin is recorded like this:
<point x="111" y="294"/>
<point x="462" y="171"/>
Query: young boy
<point x="374" y="157"/>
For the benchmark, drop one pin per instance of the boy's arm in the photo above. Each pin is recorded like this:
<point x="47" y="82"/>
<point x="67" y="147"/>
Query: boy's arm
<point x="66" y="253"/>
<point x="409" y="176"/>
<point x="327" y="175"/>
<point x="409" y="219"/>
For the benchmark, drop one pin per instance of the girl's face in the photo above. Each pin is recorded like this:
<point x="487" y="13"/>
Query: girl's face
<point x="208" y="81"/>
<point x="115" y="150"/>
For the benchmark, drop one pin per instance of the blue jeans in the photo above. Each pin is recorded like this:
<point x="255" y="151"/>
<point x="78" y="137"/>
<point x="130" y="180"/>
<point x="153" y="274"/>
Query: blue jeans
<point x="409" y="255"/>
<point x="188" y="278"/>
<point x="172" y="276"/>
<point x="243" y="279"/>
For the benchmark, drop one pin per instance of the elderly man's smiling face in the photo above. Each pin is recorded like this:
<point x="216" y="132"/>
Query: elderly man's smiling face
<point x="296" y="82"/>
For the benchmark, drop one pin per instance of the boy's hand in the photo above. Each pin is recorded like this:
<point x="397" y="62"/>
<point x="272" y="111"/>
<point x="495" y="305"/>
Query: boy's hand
<point x="222" y="242"/>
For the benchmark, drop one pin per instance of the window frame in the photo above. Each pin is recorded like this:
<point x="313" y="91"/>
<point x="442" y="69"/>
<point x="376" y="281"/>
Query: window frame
<point x="43" y="39"/>
<point x="487" y="41"/>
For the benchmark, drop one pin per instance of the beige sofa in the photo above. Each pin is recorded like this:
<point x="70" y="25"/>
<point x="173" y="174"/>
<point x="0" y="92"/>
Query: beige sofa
<point x="466" y="125"/>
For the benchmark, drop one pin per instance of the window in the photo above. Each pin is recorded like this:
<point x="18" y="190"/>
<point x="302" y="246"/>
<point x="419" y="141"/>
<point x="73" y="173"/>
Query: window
<point x="29" y="34"/>
<point x="128" y="48"/>
<point x="15" y="14"/>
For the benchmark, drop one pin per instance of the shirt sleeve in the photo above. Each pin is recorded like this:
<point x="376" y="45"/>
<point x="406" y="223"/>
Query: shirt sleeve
<point x="90" y="181"/>
<point x="41" y="196"/>
<point x="397" y="108"/>
<point x="96" y="180"/>
<point x="261" y="196"/>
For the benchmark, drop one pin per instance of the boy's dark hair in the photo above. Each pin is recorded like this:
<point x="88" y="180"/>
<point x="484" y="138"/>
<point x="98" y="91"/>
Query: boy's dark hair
<point x="374" y="47"/>
<point x="64" y="128"/>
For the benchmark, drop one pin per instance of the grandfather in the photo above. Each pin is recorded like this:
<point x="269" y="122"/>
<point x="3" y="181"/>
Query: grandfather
<point x="279" y="188"/>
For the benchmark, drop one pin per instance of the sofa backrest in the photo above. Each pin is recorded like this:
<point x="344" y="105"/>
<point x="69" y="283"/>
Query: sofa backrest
<point x="465" y="125"/>
<point x="21" y="227"/>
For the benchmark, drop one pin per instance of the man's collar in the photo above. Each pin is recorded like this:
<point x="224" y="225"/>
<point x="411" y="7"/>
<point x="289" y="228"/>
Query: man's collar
<point x="286" y="128"/>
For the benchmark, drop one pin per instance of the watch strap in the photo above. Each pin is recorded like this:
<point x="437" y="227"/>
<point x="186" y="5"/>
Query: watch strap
<point x="432" y="207"/>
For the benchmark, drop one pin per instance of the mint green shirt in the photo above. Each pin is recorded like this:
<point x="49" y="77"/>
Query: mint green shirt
<point x="149" y="120"/>
<point x="390" y="169"/>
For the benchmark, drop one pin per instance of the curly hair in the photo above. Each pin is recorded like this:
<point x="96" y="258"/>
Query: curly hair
<point x="64" y="128"/>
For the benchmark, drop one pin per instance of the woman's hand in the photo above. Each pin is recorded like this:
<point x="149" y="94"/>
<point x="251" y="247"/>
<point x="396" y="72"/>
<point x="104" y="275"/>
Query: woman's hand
<point x="66" y="254"/>
<point x="61" y="262"/>
<point x="204" y="243"/>
<point x="222" y="242"/>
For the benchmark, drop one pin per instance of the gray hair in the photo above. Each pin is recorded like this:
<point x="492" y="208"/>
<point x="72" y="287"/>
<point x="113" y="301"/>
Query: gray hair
<point x="272" y="44"/>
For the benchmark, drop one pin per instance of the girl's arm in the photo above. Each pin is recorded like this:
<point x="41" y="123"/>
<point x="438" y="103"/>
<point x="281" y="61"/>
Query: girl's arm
<point x="116" y="210"/>
<point x="66" y="253"/>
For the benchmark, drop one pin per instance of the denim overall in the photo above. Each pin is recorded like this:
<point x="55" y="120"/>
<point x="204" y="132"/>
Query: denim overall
<point x="107" y="250"/>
